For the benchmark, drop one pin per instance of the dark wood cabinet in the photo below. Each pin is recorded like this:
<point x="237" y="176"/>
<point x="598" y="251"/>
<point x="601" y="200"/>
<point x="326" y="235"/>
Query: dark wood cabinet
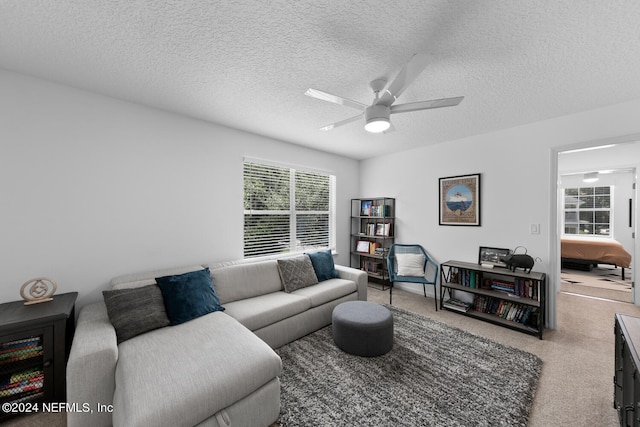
<point x="35" y="341"/>
<point x="626" y="379"/>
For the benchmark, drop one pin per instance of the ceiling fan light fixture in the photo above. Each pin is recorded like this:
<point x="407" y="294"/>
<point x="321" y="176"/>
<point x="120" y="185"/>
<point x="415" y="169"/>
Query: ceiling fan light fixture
<point x="377" y="125"/>
<point x="377" y="118"/>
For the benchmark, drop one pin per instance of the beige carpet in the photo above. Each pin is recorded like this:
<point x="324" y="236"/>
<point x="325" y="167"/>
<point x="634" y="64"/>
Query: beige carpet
<point x="575" y="388"/>
<point x="604" y="281"/>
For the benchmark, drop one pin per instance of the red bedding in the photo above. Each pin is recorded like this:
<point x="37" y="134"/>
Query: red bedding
<point x="598" y="250"/>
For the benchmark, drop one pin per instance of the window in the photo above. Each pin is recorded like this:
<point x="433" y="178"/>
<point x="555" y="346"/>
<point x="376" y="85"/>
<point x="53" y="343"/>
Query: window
<point x="588" y="211"/>
<point x="287" y="209"/>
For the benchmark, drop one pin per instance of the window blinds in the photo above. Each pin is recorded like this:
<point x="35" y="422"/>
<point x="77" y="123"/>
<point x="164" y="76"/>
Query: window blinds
<point x="286" y="209"/>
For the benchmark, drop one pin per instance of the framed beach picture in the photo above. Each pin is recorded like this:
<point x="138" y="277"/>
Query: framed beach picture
<point x="459" y="202"/>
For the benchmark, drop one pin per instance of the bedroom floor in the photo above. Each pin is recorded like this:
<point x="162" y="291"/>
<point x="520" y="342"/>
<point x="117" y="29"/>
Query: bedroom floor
<point x="603" y="281"/>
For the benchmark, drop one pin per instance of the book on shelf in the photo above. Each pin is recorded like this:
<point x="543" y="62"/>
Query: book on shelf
<point x="373" y="247"/>
<point x="520" y="287"/>
<point x="380" y="210"/>
<point x="456" y="304"/>
<point x="23" y="382"/>
<point x="380" y="251"/>
<point x="507" y="310"/>
<point x="468" y="278"/>
<point x="374" y="267"/>
<point x="17" y="350"/>
<point x="17" y="386"/>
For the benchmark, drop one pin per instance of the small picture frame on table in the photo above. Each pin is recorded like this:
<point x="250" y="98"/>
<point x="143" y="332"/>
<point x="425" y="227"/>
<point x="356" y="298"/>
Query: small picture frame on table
<point x="492" y="256"/>
<point x="365" y="207"/>
<point x="362" y="246"/>
<point x="383" y="229"/>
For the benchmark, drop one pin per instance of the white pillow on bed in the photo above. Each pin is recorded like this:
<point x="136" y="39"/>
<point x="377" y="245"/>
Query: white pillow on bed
<point x="410" y="265"/>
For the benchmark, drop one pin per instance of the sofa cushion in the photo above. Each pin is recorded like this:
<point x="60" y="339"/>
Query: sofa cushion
<point x="297" y="272"/>
<point x="264" y="310"/>
<point x="189" y="295"/>
<point x="323" y="265"/>
<point x="180" y="376"/>
<point x="246" y="280"/>
<point x="135" y="311"/>
<point x="327" y="291"/>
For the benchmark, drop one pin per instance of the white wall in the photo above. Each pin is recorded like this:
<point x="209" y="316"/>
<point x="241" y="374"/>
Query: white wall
<point x="93" y="187"/>
<point x="519" y="174"/>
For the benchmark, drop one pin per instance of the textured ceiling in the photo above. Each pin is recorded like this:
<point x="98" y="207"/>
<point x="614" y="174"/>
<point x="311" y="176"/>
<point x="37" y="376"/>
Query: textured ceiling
<point x="246" y="64"/>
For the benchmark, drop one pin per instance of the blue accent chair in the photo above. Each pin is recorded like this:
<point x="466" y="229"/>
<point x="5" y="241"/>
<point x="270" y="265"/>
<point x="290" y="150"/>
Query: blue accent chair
<point x="413" y="260"/>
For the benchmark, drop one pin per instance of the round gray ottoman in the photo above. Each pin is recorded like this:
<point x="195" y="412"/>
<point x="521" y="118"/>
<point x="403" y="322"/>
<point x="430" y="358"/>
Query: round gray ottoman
<point x="362" y="328"/>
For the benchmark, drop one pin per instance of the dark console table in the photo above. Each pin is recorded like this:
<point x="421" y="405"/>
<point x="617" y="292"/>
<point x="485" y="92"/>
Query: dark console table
<point x="626" y="399"/>
<point x="35" y="341"/>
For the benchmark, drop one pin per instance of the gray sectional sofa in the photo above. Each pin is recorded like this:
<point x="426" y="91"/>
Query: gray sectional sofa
<point x="218" y="369"/>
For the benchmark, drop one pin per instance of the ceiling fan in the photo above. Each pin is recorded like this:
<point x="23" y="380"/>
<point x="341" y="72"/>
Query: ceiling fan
<point x="377" y="114"/>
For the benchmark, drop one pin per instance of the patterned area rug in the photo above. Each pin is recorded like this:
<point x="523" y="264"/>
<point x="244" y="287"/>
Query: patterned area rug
<point x="435" y="375"/>
<point x="603" y="281"/>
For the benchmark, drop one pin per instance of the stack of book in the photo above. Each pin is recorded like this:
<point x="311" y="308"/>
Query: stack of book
<point x="381" y="251"/>
<point x="379" y="210"/>
<point x="504" y="286"/>
<point x="526" y="288"/>
<point x="456" y="304"/>
<point x="504" y="309"/>
<point x="520" y="287"/>
<point x="371" y="266"/>
<point x="22" y="383"/>
<point x="18" y="377"/>
<point x="20" y="349"/>
<point x="467" y="278"/>
<point x="371" y="229"/>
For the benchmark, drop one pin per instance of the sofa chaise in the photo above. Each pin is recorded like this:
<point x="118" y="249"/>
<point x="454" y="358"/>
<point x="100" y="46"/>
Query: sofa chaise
<point x="217" y="369"/>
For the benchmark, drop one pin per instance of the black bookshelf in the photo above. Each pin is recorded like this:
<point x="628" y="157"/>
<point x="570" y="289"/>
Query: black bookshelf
<point x="372" y="234"/>
<point x="513" y="299"/>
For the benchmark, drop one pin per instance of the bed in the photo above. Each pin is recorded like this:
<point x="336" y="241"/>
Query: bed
<point x="584" y="253"/>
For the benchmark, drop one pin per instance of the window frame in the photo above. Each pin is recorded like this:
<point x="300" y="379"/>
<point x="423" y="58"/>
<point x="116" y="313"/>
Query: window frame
<point x="291" y="212"/>
<point x="594" y="210"/>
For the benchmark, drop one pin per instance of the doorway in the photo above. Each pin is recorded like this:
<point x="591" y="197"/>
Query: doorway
<point x="596" y="215"/>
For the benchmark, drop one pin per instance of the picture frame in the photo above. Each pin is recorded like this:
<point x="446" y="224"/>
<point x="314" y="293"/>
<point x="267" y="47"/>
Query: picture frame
<point x="362" y="246"/>
<point x="365" y="207"/>
<point x="487" y="255"/>
<point x="383" y="229"/>
<point x="459" y="200"/>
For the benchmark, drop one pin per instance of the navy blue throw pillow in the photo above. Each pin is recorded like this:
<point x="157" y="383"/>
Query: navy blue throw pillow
<point x="188" y="296"/>
<point x="323" y="265"/>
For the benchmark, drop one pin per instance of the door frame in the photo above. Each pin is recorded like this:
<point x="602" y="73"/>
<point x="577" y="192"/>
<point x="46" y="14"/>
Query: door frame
<point x="555" y="221"/>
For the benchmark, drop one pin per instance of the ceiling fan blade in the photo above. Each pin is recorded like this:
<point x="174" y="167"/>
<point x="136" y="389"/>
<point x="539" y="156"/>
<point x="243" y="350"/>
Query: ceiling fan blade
<point x="342" y="122"/>
<point x="426" y="105"/>
<point x="324" y="96"/>
<point x="405" y="77"/>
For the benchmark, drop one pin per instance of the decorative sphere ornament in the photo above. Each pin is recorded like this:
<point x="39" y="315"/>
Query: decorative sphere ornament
<point x="38" y="290"/>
